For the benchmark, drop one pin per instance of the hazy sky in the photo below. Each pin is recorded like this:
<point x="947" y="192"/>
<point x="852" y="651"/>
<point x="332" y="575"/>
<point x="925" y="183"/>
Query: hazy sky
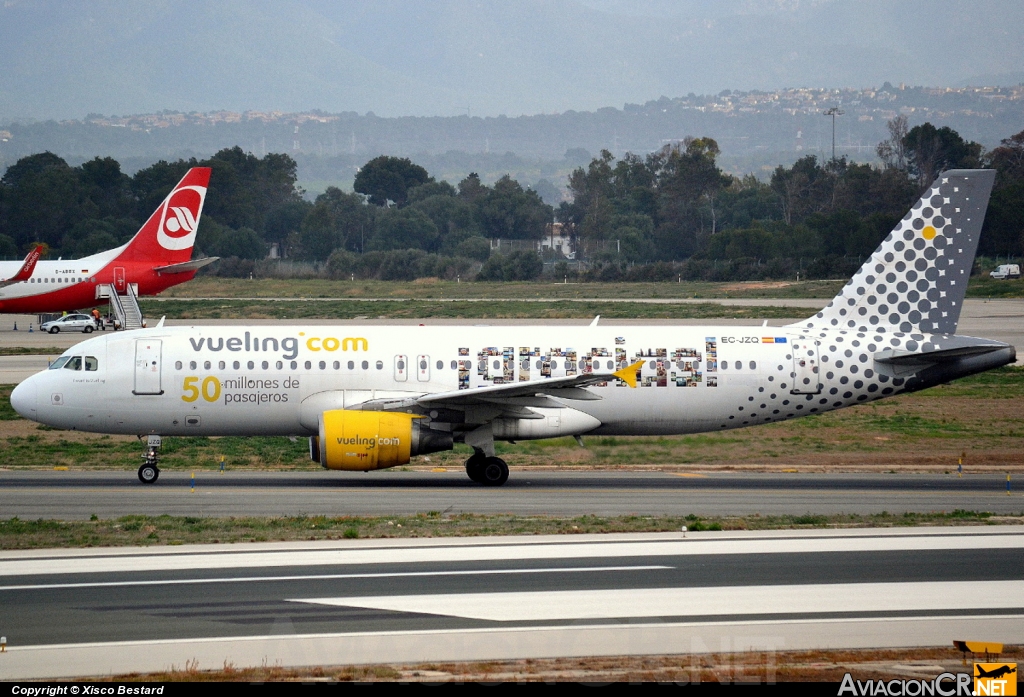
<point x="446" y="57"/>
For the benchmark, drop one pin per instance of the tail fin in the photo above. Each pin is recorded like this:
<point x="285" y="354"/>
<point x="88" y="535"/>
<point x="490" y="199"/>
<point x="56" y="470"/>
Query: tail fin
<point x="170" y="233"/>
<point x="916" y="280"/>
<point x="25" y="272"/>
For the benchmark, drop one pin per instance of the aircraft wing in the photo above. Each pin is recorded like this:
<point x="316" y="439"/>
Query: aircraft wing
<point x="186" y="266"/>
<point x="534" y="393"/>
<point x="25" y="272"/>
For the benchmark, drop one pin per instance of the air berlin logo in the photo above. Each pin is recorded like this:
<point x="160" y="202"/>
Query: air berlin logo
<point x="179" y="217"/>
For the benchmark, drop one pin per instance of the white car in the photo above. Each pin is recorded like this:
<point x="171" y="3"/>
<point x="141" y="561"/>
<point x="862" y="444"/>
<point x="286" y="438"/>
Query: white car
<point x="69" y="323"/>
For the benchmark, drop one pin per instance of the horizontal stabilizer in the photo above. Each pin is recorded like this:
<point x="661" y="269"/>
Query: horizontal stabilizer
<point x="893" y="357"/>
<point x="186" y="266"/>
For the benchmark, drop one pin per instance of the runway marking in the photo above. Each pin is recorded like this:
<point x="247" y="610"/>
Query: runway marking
<point x="499" y="552"/>
<point x="323" y="577"/>
<point x="46" y="661"/>
<point x="682" y="602"/>
<point x="690" y="475"/>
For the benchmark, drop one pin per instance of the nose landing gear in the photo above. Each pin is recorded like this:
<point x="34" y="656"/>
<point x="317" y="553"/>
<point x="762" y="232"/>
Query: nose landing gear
<point x="149" y="472"/>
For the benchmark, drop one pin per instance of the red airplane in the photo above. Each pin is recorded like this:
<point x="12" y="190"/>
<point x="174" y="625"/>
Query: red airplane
<point x="157" y="257"/>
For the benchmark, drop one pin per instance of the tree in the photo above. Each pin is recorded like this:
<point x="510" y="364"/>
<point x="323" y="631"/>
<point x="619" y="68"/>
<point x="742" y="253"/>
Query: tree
<point x="933" y="150"/>
<point x="470" y="188"/>
<point x="515" y="266"/>
<point x="689" y="181"/>
<point x="387" y="178"/>
<point x="1008" y="158"/>
<point x="892" y="152"/>
<point x="43" y="198"/>
<point x="405" y="228"/>
<point x="508" y="211"/>
<point x="337" y="220"/>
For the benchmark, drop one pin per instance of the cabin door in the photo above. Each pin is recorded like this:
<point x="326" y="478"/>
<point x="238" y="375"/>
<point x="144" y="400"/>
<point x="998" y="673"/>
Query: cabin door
<point x="807" y="379"/>
<point x="147" y="366"/>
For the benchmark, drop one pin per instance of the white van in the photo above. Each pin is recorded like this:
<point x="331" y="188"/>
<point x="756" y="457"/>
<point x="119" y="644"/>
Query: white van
<point x="1006" y="271"/>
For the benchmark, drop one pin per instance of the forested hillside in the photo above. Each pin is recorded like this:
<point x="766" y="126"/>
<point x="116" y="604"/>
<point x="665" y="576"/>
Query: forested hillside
<point x="672" y="213"/>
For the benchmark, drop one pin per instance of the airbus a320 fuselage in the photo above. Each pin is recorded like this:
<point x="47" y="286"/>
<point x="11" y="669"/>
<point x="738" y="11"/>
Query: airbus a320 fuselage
<point x="373" y="397"/>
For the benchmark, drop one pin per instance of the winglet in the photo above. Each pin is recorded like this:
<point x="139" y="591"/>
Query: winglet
<point x="596" y="320"/>
<point x="25" y="272"/>
<point x="628" y="374"/>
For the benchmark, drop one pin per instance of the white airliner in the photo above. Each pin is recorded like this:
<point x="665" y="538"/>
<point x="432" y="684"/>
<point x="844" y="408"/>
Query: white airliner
<point x="373" y="397"/>
<point x="157" y="257"/>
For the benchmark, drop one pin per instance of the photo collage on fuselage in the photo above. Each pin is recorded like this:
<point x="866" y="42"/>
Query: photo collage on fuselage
<point x="659" y="367"/>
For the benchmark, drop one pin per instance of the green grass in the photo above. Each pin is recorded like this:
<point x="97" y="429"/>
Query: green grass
<point x="214" y="287"/>
<point x="141" y="530"/>
<point x="485" y="309"/>
<point x="981" y="286"/>
<point x="30" y="350"/>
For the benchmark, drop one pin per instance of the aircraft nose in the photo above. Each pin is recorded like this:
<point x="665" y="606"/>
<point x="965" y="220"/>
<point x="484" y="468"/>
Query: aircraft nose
<point x="24" y="399"/>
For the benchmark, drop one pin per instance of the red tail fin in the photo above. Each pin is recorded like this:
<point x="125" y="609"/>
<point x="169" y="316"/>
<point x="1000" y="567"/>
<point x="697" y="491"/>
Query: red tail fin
<point x="170" y="232"/>
<point x="25" y="272"/>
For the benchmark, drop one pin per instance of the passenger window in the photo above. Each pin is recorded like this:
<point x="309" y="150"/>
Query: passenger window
<point x="380" y="365"/>
<point x="266" y="365"/>
<point x="496" y="365"/>
<point x="554" y="365"/>
<point x="279" y="365"/>
<point x="177" y="365"/>
<point x="91" y="363"/>
<point x="739" y="365"/>
<point x="323" y="365"/>
<point x="206" y="365"/>
<point x="74" y="364"/>
<point x="423" y="365"/>
<point x="295" y="365"/>
<point x="366" y="365"/>
<point x="440" y="365"/>
<point x="337" y="365"/>
<point x="652" y="365"/>
<point x="401" y="365"/>
<point x="192" y="365"/>
<point x="540" y="364"/>
<point x="526" y="364"/>
<point x="455" y="365"/>
<point x="611" y="365"/>
<point x="725" y="365"/>
<point x="753" y="365"/>
<point x="351" y="365"/>
<point x="309" y="365"/>
<point x="250" y="365"/>
<point x="221" y="365"/>
<point x="236" y="365"/>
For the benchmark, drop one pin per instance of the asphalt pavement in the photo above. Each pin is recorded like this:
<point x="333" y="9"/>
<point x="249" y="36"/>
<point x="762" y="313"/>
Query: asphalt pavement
<point x="102" y="611"/>
<point x="111" y="494"/>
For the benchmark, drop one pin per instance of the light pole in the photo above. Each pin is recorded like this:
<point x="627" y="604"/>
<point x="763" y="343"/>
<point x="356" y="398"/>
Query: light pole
<point x="834" y="112"/>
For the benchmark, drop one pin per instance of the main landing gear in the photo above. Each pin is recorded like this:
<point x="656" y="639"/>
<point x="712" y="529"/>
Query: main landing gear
<point x="489" y="471"/>
<point x="149" y="472"/>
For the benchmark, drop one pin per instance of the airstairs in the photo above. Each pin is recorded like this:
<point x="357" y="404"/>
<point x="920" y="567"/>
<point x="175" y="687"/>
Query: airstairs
<point x="125" y="307"/>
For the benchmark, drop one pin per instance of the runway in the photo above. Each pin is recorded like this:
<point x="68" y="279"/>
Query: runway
<point x="111" y="494"/>
<point x="102" y="611"/>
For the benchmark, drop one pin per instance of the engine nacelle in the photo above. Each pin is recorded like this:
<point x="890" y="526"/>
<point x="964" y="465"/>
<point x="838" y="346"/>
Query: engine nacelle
<point x="371" y="440"/>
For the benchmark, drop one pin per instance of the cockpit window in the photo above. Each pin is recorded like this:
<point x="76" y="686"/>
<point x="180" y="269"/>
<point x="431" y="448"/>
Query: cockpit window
<point x="59" y="363"/>
<point x="75" y="363"/>
<point x="91" y="363"/>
